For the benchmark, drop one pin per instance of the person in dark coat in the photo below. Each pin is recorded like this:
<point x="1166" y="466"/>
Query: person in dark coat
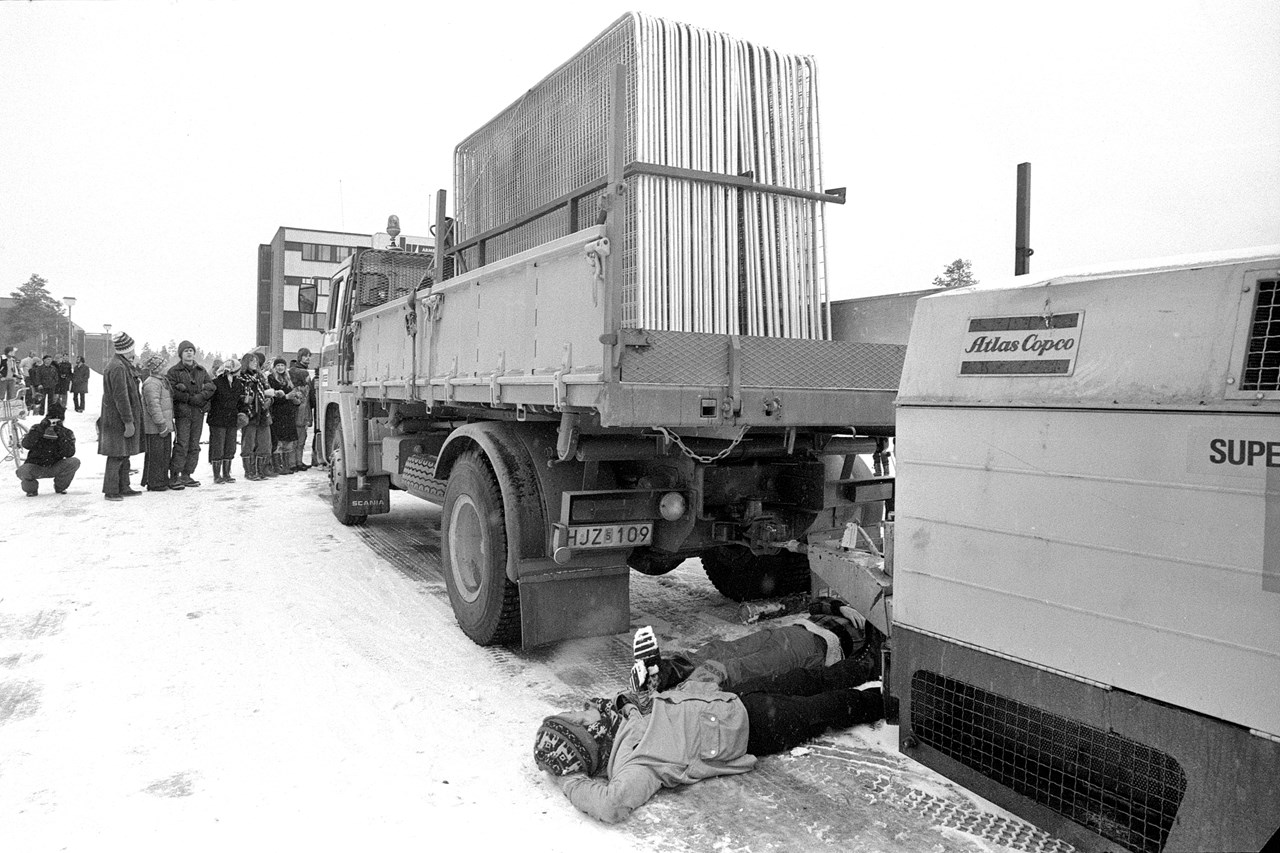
<point x="284" y="416"/>
<point x="300" y="376"/>
<point x="62" y="389"/>
<point x="192" y="390"/>
<point x="79" y="383"/>
<point x="225" y="407"/>
<point x="8" y="375"/>
<point x="120" y="425"/>
<point x="51" y="452"/>
<point x="43" y="380"/>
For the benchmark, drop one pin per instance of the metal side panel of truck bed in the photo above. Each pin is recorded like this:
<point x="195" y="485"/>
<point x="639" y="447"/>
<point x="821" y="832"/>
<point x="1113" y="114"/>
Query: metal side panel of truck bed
<point x="537" y="330"/>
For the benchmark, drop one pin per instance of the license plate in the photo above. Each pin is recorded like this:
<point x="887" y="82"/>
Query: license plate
<point x="610" y="535"/>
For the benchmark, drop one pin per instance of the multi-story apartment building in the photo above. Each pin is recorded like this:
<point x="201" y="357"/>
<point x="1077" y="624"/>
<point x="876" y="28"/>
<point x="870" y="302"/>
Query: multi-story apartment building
<point x="294" y="270"/>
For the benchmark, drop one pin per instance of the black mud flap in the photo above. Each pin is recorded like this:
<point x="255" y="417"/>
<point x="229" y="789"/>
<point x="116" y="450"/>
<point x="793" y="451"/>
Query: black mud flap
<point x="563" y="603"/>
<point x="374" y="499"/>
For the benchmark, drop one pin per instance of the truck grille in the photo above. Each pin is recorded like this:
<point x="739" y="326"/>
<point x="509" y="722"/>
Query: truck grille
<point x="1262" y="362"/>
<point x="1120" y="789"/>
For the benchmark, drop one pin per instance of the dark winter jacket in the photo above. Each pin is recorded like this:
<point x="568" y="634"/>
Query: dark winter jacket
<point x="192" y="389"/>
<point x="64" y="376"/>
<point x="43" y="378"/>
<point x="284" y="411"/>
<point x="46" y="451"/>
<point x="227" y="400"/>
<point x="121" y="404"/>
<point x="80" y="379"/>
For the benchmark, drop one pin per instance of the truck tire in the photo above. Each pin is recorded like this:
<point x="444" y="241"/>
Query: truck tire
<point x="473" y="554"/>
<point x="339" y="483"/>
<point x="739" y="575"/>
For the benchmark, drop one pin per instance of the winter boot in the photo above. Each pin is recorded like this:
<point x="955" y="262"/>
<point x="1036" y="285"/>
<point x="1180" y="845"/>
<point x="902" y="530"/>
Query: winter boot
<point x="250" y="467"/>
<point x="298" y="464"/>
<point x="226" y="471"/>
<point x="265" y="468"/>
<point x="282" y="466"/>
<point x="217" y="472"/>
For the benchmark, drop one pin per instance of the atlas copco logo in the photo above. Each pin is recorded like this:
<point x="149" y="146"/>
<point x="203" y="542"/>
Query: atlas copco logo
<point x="1031" y="343"/>
<point x="1025" y="345"/>
<point x="1244" y="452"/>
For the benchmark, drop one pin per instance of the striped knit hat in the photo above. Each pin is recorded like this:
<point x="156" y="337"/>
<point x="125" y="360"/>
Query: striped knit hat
<point x="123" y="343"/>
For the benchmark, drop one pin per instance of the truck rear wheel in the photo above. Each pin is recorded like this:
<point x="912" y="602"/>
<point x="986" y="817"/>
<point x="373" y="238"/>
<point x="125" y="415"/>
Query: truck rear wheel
<point x="739" y="575"/>
<point x="339" y="483"/>
<point x="473" y="551"/>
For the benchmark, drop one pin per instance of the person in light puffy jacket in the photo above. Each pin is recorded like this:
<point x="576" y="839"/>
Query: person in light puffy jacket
<point x="192" y="390"/>
<point x="612" y="756"/>
<point x="157" y="427"/>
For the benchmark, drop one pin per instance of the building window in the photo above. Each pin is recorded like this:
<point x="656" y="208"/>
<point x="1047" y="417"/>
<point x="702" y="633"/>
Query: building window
<point x="292" y="320"/>
<point x="308" y="321"/>
<point x="322" y="287"/>
<point x="308" y="251"/>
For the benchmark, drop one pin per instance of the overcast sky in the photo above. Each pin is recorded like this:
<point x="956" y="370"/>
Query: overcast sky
<point x="146" y="149"/>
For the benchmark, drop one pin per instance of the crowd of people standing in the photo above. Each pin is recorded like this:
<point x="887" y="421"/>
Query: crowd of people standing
<point x="161" y="413"/>
<point x="44" y="380"/>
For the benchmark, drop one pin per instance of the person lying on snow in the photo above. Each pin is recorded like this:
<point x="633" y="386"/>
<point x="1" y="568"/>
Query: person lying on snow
<point x="638" y="743"/>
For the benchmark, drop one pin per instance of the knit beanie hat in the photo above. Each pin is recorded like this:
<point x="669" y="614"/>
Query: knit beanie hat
<point x="154" y="363"/>
<point x="278" y="360"/>
<point x="564" y="746"/>
<point x="57" y="411"/>
<point x="122" y="342"/>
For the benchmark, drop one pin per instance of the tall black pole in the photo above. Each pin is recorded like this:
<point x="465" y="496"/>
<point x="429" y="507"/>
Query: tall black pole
<point x="1022" y="237"/>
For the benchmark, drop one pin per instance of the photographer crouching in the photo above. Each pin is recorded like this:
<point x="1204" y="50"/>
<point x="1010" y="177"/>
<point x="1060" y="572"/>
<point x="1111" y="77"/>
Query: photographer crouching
<point x="51" y="452"/>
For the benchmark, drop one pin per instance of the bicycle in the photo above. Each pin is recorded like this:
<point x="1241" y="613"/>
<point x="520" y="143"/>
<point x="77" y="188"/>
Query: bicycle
<point x="12" y="432"/>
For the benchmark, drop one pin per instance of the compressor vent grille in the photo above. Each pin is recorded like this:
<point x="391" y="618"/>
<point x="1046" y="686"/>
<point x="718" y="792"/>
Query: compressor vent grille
<point x="1262" y="363"/>
<point x="1120" y="789"/>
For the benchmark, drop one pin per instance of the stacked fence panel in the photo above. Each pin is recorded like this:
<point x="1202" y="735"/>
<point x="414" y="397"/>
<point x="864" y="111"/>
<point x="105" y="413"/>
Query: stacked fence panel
<point x="696" y="256"/>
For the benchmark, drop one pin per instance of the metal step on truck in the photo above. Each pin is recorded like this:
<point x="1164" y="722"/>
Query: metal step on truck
<point x="1082" y="580"/>
<point x="615" y="358"/>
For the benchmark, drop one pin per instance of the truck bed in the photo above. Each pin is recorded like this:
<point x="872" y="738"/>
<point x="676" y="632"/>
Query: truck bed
<point x="536" y="330"/>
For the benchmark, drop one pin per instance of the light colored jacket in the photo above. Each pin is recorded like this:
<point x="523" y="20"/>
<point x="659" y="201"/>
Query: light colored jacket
<point x="157" y="403"/>
<point x="693" y="733"/>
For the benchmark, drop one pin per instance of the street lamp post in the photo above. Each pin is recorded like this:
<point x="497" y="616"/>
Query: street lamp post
<point x="71" y="342"/>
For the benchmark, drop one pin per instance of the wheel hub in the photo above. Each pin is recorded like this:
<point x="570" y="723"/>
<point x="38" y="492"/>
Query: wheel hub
<point x="467" y="548"/>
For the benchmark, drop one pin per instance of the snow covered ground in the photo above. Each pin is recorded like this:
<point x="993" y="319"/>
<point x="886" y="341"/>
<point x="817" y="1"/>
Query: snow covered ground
<point x="228" y="668"/>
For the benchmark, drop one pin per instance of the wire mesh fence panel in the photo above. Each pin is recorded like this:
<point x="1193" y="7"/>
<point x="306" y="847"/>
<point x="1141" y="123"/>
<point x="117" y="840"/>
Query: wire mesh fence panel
<point x="696" y="255"/>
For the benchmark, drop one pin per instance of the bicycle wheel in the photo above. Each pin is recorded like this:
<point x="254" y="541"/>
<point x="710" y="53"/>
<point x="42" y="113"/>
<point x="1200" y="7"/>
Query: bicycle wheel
<point x="11" y="437"/>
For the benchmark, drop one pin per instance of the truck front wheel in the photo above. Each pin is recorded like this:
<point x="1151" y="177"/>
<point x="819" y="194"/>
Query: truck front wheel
<point x="739" y="575"/>
<point x="473" y="550"/>
<point x="339" y="483"/>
